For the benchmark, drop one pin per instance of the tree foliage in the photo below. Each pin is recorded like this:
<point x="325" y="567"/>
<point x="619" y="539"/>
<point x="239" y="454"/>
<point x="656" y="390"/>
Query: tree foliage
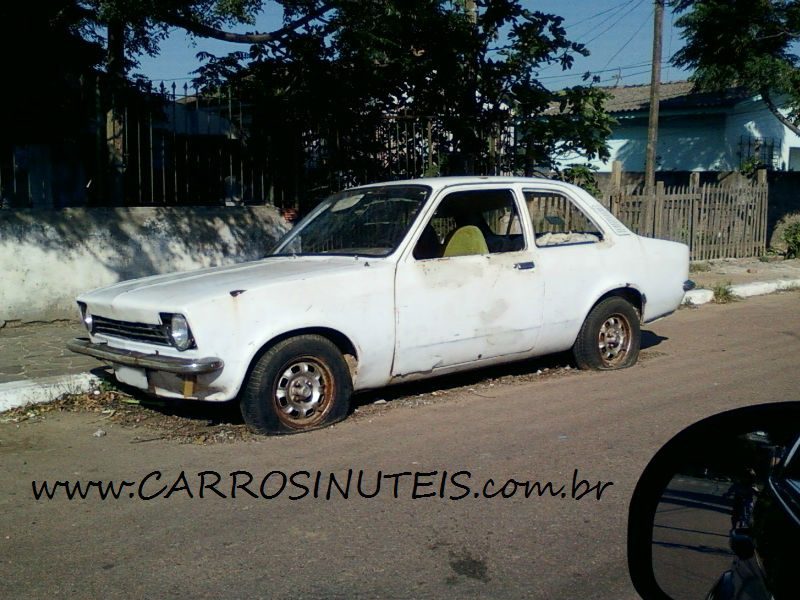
<point x="146" y="23"/>
<point x="747" y="43"/>
<point x="46" y="51"/>
<point x="340" y="68"/>
<point x="474" y="74"/>
<point x="471" y="65"/>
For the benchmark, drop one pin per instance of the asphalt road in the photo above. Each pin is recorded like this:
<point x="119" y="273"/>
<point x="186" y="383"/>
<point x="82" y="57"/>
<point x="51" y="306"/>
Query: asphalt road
<point x="690" y="537"/>
<point x="605" y="425"/>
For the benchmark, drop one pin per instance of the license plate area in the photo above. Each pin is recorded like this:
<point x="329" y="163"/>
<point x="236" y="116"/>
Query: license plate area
<point x="131" y="376"/>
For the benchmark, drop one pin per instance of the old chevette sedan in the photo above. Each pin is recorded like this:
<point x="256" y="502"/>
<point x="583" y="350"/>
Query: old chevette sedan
<point x="389" y="283"/>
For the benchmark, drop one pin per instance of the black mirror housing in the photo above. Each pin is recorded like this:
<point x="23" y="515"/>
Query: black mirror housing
<point x="724" y="475"/>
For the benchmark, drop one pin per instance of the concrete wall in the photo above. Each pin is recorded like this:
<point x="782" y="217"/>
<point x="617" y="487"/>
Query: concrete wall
<point x="48" y="257"/>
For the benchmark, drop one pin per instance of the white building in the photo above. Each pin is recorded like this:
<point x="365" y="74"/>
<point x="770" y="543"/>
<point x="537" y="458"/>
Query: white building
<point x="710" y="131"/>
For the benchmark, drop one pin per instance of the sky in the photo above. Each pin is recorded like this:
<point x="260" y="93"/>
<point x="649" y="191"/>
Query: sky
<point x="618" y="33"/>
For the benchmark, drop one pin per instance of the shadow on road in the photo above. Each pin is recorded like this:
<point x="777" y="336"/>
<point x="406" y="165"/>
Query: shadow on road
<point x="214" y="413"/>
<point x="650" y="339"/>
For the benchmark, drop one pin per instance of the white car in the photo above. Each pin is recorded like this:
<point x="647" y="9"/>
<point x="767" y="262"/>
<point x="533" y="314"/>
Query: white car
<point x="388" y="283"/>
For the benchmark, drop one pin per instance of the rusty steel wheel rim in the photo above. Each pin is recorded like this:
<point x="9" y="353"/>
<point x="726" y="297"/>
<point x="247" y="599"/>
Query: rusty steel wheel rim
<point x="303" y="392"/>
<point x="614" y="340"/>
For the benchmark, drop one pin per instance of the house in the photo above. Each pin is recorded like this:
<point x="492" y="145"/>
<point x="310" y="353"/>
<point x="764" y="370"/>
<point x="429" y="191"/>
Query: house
<point x="698" y="131"/>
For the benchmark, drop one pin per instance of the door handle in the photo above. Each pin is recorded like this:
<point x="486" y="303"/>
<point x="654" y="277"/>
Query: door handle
<point x="524" y="266"/>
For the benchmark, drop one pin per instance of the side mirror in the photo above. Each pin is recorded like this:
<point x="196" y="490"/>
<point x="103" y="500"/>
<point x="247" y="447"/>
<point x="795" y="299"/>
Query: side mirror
<point x="716" y="513"/>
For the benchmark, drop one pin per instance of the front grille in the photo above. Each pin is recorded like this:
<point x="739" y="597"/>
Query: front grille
<point x="140" y="332"/>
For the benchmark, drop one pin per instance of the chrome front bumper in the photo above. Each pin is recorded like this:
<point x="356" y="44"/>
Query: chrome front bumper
<point x="141" y="360"/>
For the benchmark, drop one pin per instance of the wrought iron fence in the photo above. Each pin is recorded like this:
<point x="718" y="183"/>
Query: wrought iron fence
<point x="176" y="146"/>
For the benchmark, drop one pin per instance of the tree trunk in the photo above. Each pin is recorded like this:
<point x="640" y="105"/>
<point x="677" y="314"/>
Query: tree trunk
<point x="778" y="114"/>
<point x="207" y="31"/>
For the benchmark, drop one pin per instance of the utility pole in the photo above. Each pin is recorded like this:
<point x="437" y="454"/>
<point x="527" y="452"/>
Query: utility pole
<point x="655" y="85"/>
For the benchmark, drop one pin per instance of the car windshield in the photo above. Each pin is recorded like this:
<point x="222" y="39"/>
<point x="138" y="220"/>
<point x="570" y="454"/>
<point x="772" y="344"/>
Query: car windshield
<point x="367" y="221"/>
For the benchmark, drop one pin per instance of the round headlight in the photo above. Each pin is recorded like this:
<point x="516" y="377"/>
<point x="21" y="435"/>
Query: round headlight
<point x="86" y="316"/>
<point x="179" y="332"/>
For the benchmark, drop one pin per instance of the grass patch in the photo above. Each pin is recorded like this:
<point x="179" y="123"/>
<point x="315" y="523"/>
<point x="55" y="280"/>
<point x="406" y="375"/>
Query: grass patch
<point x="699" y="267"/>
<point x="723" y="293"/>
<point x="771" y="256"/>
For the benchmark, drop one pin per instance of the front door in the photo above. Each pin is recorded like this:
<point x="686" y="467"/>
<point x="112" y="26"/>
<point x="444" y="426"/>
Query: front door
<point x="470" y="290"/>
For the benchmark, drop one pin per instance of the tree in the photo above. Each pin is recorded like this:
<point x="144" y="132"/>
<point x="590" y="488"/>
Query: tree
<point x="340" y="67"/>
<point x="744" y="43"/>
<point x="45" y="96"/>
<point x="474" y="72"/>
<point x="133" y="27"/>
<point x="472" y="63"/>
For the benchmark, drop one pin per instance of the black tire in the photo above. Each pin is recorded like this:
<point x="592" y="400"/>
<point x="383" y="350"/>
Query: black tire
<point x="610" y="337"/>
<point x="301" y="383"/>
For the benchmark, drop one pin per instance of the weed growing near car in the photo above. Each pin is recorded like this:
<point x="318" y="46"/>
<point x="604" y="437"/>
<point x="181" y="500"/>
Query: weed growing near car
<point x="699" y="267"/>
<point x="723" y="293"/>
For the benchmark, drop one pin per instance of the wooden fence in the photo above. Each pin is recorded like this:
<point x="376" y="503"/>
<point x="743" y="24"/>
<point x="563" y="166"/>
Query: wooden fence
<point x="714" y="221"/>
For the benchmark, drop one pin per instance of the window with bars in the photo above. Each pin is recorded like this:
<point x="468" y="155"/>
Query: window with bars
<point x="757" y="150"/>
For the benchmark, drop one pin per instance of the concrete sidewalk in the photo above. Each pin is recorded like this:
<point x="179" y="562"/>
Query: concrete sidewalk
<point x="37" y="350"/>
<point x="35" y="365"/>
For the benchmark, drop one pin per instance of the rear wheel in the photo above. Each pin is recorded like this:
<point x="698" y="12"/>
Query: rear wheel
<point x="301" y="383"/>
<point x="610" y="337"/>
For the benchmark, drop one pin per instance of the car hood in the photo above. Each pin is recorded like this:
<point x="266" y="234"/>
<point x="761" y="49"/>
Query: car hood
<point x="175" y="291"/>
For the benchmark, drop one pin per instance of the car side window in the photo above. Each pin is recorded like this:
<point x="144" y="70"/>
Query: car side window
<point x="472" y="222"/>
<point x="557" y="221"/>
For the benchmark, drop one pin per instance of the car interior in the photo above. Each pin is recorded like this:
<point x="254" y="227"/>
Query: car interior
<point x="487" y="222"/>
<point x="558" y="222"/>
<point x="472" y="222"/>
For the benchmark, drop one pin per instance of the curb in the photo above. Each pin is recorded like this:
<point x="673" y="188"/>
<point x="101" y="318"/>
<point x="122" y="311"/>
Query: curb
<point x="742" y="290"/>
<point x="36" y="391"/>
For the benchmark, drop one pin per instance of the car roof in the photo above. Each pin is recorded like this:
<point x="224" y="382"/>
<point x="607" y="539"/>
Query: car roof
<point x="441" y="182"/>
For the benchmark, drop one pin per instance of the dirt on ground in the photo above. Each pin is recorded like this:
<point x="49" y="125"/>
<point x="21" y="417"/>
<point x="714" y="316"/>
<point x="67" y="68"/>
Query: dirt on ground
<point x="729" y="271"/>
<point x="195" y="422"/>
<point x="212" y="423"/>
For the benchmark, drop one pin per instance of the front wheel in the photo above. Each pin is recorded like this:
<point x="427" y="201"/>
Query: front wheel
<point x="301" y="383"/>
<point x="610" y="337"/>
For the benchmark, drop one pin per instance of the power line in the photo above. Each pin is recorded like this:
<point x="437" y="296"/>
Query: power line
<point x="601" y="13"/>
<point x="614" y="24"/>
<point x="631" y="74"/>
<point x="613" y="69"/>
<point x="630" y="39"/>
<point x="671" y="29"/>
<point x="612" y="79"/>
<point x="613" y="13"/>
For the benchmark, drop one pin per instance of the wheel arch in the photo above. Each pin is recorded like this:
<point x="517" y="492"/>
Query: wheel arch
<point x="337" y="338"/>
<point x="627" y="292"/>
